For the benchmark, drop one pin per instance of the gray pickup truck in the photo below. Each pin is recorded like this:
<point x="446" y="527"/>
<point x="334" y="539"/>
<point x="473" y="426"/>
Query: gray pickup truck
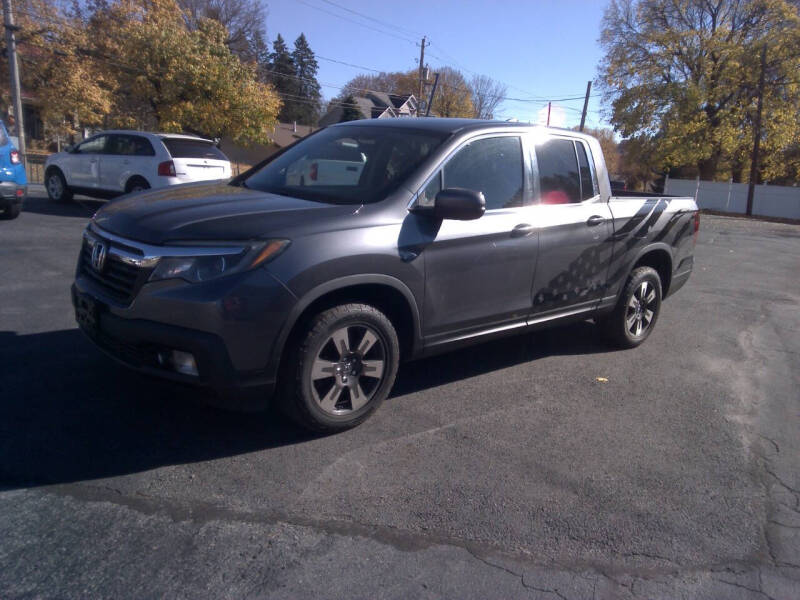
<point x="453" y="232"/>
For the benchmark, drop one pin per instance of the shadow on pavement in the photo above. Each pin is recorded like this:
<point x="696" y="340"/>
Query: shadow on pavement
<point x="81" y="208"/>
<point x="574" y="339"/>
<point x="69" y="413"/>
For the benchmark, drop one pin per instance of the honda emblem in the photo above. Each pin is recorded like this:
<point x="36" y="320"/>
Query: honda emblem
<point x="99" y="256"/>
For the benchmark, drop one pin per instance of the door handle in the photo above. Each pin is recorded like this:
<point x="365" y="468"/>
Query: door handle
<point x="522" y="230"/>
<point x="595" y="220"/>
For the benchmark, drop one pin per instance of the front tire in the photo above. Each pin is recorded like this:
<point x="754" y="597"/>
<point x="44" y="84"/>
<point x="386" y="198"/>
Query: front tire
<point x="340" y="369"/>
<point x="636" y="312"/>
<point x="56" y="185"/>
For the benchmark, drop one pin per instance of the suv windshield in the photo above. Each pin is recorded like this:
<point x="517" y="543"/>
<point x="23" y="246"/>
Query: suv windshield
<point x="347" y="164"/>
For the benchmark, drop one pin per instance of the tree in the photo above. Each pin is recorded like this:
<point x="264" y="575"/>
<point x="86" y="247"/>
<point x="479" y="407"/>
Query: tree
<point x="487" y="94"/>
<point x="350" y="110"/>
<point x="306" y="109"/>
<point x="685" y="73"/>
<point x="242" y="19"/>
<point x="610" y="148"/>
<point x="283" y="76"/>
<point x="396" y="82"/>
<point x="179" y="78"/>
<point x="69" y="88"/>
<point x="453" y="97"/>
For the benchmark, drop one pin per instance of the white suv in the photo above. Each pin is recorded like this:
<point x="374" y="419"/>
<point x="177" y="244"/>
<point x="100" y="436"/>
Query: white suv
<point x="119" y="162"/>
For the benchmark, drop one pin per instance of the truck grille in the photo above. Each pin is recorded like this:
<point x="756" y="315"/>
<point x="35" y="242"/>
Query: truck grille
<point x="118" y="280"/>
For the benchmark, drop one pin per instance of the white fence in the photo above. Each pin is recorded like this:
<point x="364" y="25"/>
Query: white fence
<point x="768" y="200"/>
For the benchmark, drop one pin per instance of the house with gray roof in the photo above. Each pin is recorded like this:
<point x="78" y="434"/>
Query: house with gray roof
<point x="375" y="105"/>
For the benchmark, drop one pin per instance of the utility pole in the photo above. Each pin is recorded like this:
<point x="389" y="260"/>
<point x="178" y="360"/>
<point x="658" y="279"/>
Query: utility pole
<point x="585" y="104"/>
<point x="433" y="92"/>
<point x="13" y="68"/>
<point x="549" y="104"/>
<point x="421" y="70"/>
<point x="751" y="187"/>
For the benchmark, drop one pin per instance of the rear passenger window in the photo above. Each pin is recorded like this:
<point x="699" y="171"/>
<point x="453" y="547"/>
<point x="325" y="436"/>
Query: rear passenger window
<point x="492" y="166"/>
<point x="558" y="172"/>
<point x="129" y="145"/>
<point x="587" y="181"/>
<point x="187" y="148"/>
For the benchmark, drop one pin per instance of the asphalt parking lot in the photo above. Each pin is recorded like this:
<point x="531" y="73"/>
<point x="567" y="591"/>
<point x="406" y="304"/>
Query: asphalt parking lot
<point x="505" y="470"/>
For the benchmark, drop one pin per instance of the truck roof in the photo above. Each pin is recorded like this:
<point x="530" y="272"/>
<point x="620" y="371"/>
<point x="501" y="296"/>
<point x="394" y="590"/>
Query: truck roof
<point x="450" y="125"/>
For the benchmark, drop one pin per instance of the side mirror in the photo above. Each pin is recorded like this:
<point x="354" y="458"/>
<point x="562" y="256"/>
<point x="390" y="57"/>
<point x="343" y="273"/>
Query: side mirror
<point x="459" y="204"/>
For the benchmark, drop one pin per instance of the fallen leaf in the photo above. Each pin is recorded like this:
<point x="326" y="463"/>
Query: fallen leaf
<point x="602" y="379"/>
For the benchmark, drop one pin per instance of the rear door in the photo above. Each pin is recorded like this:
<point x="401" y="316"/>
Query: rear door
<point x="125" y="155"/>
<point x="478" y="274"/>
<point x="574" y="224"/>
<point x="196" y="159"/>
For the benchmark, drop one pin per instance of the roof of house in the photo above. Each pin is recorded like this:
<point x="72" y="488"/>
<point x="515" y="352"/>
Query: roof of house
<point x="371" y="105"/>
<point x="289" y="133"/>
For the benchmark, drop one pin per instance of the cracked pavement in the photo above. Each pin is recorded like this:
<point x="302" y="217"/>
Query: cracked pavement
<point x="504" y="470"/>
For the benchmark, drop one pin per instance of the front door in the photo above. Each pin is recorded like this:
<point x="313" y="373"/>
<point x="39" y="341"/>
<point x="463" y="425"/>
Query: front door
<point x="83" y="163"/>
<point x="575" y="227"/>
<point x="478" y="274"/>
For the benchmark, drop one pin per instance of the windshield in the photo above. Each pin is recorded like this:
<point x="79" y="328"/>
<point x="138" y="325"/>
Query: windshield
<point x="346" y="165"/>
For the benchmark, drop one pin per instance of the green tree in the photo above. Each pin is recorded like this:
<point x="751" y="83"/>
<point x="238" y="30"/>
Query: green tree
<point x="283" y="76"/>
<point x="350" y="110"/>
<point x="685" y="72"/>
<point x="306" y="109"/>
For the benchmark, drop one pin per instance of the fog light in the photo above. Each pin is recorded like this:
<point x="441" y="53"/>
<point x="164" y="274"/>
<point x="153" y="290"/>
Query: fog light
<point x="180" y="362"/>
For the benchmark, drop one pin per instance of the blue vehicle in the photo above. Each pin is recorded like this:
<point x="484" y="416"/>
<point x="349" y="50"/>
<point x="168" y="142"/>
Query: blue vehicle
<point x="13" y="181"/>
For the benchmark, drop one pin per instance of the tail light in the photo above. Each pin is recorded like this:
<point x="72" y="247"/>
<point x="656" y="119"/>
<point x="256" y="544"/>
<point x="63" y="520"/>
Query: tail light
<point x="15" y="157"/>
<point x="696" y="223"/>
<point x="313" y="171"/>
<point x="166" y="168"/>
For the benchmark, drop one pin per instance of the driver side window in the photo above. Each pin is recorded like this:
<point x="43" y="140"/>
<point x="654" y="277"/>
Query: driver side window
<point x="493" y="166"/>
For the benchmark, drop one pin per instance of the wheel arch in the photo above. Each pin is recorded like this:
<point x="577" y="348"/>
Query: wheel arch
<point x="658" y="257"/>
<point x="133" y="177"/>
<point x="385" y="293"/>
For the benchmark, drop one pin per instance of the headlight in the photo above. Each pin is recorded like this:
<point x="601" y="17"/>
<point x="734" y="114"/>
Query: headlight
<point x="210" y="266"/>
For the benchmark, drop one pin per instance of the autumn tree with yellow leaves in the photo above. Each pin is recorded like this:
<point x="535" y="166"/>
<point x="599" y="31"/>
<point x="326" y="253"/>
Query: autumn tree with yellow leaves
<point x="681" y="80"/>
<point x="142" y="64"/>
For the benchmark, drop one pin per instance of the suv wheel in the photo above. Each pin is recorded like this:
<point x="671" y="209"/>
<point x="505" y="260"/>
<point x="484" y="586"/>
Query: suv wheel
<point x="56" y="185"/>
<point x="11" y="212"/>
<point x="136" y="184"/>
<point x="341" y="369"/>
<point x="637" y="310"/>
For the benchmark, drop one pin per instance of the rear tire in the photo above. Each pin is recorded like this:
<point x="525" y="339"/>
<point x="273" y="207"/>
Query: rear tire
<point x="340" y="369"/>
<point x="12" y="212"/>
<point x="136" y="184"/>
<point x="636" y="312"/>
<point x="56" y="185"/>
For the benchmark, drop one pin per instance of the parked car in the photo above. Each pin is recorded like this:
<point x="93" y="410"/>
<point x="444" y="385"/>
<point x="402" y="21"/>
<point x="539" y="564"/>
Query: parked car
<point x="120" y="162"/>
<point x="13" y="181"/>
<point x="457" y="231"/>
<point x="338" y="163"/>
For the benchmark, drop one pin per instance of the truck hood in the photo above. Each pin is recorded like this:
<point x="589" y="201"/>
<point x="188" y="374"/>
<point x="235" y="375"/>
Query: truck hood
<point x="207" y="212"/>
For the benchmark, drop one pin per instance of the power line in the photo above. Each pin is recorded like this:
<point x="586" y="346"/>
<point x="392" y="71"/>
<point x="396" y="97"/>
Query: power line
<point x="338" y="16"/>
<point x="374" y="20"/>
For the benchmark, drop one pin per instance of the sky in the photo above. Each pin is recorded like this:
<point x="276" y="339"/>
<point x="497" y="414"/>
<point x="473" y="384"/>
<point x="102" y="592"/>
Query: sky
<point x="541" y="49"/>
